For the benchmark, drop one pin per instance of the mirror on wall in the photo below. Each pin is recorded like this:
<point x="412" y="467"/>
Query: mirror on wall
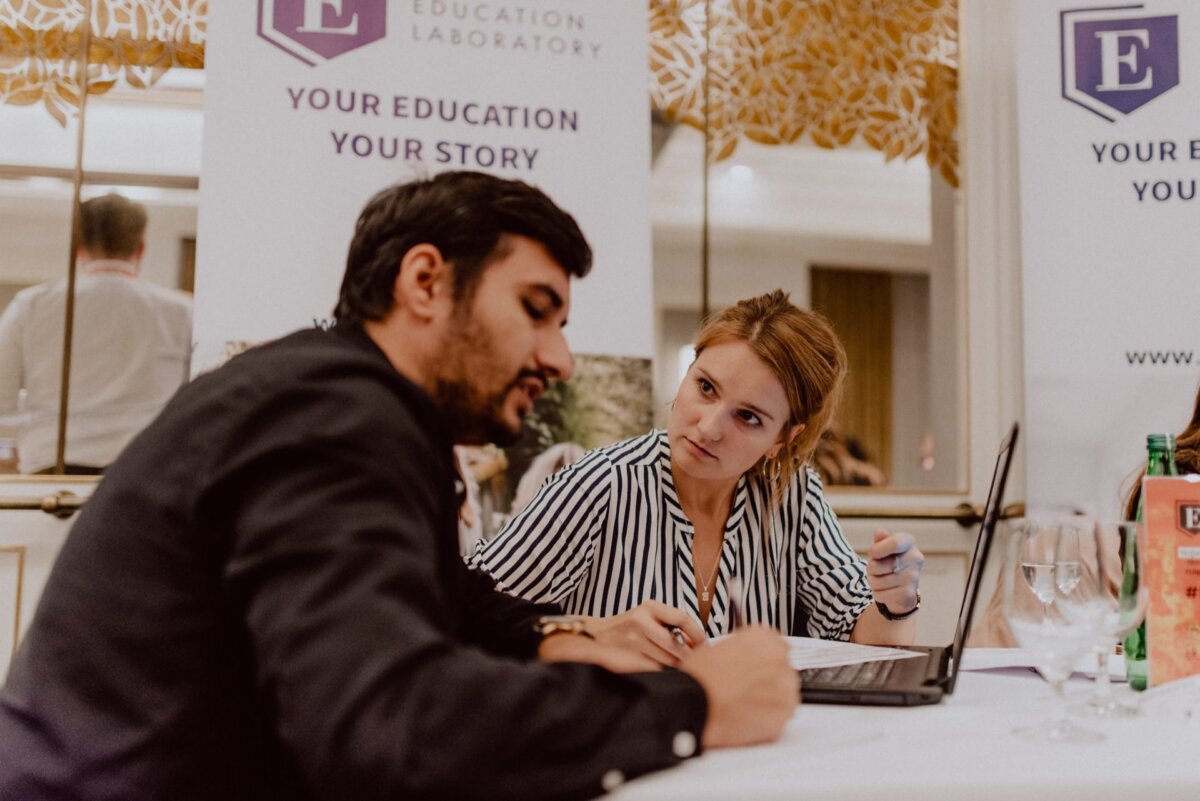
<point x="130" y="321"/>
<point x="36" y="189"/>
<point x="831" y="172"/>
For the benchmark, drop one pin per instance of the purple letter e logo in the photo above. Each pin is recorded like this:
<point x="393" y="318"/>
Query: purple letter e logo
<point x="318" y="30"/>
<point x="1116" y="60"/>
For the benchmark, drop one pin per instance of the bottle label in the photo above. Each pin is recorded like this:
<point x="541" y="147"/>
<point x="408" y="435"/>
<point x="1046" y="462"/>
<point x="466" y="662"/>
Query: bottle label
<point x="1171" y="570"/>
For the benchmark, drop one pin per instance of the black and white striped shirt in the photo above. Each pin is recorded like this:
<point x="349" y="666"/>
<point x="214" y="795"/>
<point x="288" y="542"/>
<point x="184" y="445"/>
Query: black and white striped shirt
<point x="607" y="533"/>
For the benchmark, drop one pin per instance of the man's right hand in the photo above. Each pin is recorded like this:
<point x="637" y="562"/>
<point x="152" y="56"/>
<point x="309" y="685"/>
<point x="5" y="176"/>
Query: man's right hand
<point x="751" y="688"/>
<point x="579" y="648"/>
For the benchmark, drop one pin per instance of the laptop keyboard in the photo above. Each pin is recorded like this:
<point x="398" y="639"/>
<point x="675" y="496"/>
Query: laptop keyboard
<point x="864" y="674"/>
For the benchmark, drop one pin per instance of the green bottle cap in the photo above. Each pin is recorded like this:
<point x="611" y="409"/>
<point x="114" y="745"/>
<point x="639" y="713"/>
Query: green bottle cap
<point x="1160" y="442"/>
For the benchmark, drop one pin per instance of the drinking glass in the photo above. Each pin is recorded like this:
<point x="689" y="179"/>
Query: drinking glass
<point x="1121" y="611"/>
<point x="1051" y="610"/>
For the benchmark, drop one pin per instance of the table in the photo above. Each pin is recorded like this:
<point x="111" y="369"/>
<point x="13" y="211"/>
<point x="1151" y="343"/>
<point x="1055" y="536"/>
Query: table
<point x="961" y="749"/>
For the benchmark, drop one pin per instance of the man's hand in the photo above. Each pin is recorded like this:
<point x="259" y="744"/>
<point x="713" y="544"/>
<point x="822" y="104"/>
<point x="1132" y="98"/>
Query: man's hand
<point x="751" y="688"/>
<point x="563" y="647"/>
<point x="647" y="629"/>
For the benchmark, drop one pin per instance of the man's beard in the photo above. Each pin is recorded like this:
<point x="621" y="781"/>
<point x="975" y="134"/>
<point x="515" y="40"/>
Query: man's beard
<point x="474" y="418"/>
<point x="475" y="415"/>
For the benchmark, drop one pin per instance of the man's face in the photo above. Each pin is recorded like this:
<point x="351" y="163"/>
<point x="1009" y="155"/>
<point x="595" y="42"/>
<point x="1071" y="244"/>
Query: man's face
<point x="503" y="343"/>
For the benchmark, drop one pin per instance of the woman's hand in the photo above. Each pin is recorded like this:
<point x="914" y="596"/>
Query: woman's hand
<point x="894" y="565"/>
<point x="894" y="570"/>
<point x="655" y="631"/>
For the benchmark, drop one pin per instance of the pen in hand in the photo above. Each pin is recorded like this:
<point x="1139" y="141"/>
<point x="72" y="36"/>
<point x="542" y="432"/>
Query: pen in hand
<point x="678" y="636"/>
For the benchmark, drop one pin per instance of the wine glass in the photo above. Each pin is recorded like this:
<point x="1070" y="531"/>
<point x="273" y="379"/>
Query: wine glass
<point x="1051" y="610"/>
<point x="1123" y="608"/>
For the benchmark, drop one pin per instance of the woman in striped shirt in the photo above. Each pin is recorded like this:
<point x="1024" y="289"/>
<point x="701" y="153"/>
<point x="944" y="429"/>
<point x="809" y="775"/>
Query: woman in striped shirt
<point x="651" y="532"/>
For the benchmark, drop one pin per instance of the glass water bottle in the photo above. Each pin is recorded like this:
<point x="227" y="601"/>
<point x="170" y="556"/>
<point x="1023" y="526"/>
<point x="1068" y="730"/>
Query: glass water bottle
<point x="1160" y="461"/>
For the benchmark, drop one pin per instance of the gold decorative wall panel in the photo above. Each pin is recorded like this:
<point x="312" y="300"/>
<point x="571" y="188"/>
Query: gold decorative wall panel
<point x="882" y="71"/>
<point x="137" y="41"/>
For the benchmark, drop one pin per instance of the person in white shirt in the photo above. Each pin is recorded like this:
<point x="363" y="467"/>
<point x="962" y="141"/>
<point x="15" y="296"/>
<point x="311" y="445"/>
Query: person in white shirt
<point x="130" y="348"/>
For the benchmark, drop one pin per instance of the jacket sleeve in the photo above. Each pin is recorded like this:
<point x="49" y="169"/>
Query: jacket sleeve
<point x="545" y="550"/>
<point x="499" y="622"/>
<point x="348" y="598"/>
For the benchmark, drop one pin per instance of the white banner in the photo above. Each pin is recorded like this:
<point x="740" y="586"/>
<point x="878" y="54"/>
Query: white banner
<point x="1109" y="123"/>
<point x="311" y="106"/>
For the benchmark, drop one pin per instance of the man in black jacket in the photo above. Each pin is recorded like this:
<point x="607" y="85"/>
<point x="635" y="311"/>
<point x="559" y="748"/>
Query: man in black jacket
<point x="264" y="599"/>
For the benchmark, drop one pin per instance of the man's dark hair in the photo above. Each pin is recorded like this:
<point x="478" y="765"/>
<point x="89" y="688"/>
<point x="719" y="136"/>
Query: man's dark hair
<point x="112" y="226"/>
<point x="466" y="216"/>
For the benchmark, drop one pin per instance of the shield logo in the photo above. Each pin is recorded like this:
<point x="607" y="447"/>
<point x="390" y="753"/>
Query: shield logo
<point x="1189" y="518"/>
<point x="1116" y="60"/>
<point x="318" y="30"/>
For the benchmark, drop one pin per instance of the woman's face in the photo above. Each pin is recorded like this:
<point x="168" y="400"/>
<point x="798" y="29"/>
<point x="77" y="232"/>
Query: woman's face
<point x="730" y="411"/>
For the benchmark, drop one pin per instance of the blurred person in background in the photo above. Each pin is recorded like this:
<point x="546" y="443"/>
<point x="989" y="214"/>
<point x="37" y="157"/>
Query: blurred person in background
<point x="130" y="348"/>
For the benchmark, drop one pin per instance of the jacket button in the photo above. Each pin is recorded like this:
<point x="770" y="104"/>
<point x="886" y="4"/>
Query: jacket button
<point x="612" y="780"/>
<point x="684" y="744"/>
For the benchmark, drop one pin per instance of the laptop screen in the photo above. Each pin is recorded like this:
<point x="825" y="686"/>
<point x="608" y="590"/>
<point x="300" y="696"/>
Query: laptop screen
<point x="987" y="529"/>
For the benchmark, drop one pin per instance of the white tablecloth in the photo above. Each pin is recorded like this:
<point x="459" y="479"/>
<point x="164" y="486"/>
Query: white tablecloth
<point x="960" y="750"/>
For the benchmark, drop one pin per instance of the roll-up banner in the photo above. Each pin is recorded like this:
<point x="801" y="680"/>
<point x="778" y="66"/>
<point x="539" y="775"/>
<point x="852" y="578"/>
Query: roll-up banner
<point x="1109" y="138"/>
<point x="311" y="106"/>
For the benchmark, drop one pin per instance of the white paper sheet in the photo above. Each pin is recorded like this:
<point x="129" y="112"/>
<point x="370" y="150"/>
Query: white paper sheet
<point x="806" y="652"/>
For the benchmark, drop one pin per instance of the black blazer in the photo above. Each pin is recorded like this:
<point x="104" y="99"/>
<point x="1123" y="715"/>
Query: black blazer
<point x="263" y="600"/>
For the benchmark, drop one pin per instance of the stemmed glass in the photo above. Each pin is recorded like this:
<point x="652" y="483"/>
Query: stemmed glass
<point x="1051" y="610"/>
<point x="1122" y="608"/>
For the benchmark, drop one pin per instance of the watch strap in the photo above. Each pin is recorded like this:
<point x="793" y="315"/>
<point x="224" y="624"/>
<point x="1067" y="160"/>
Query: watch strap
<point x="890" y="615"/>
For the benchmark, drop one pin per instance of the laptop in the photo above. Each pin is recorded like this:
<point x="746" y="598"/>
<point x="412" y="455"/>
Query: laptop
<point x="923" y="679"/>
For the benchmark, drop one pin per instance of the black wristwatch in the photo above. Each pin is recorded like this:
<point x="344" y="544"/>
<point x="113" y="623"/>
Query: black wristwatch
<point x="890" y="615"/>
<point x="561" y="624"/>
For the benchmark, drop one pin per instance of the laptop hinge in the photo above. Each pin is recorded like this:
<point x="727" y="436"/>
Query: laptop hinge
<point x="936" y="670"/>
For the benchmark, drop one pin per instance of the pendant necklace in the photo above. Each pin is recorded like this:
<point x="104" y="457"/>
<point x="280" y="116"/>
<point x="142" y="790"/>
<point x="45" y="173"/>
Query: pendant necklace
<point x="704" y="585"/>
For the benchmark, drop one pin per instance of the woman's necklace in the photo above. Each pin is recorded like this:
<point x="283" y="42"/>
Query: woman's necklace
<point x="706" y="522"/>
<point x="704" y="585"/>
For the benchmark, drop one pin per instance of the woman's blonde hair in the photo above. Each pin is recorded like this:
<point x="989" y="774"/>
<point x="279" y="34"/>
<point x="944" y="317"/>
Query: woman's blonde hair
<point x="802" y="350"/>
